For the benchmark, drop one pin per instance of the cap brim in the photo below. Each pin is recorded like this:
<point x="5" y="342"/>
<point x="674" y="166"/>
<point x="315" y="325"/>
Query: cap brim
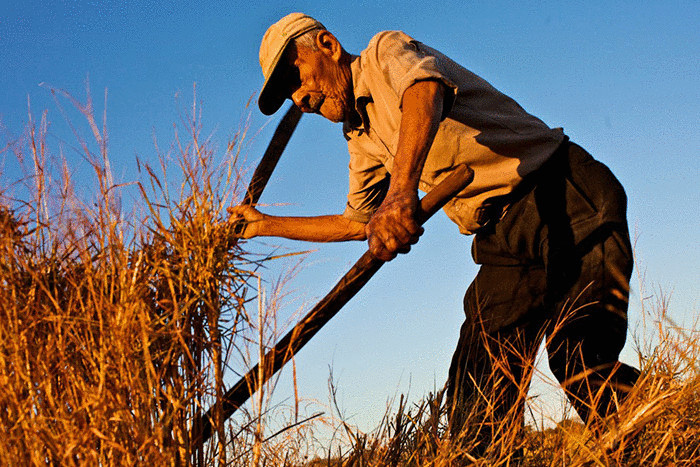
<point x="271" y="97"/>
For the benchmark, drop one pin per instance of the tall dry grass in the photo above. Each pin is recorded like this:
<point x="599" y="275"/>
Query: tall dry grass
<point x="657" y="425"/>
<point x="122" y="304"/>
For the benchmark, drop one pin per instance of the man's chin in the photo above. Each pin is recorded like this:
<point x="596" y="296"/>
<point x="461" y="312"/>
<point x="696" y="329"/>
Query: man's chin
<point x="334" y="113"/>
<point x="335" y="118"/>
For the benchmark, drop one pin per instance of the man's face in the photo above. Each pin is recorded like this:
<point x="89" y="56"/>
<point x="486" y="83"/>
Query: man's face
<point x="319" y="82"/>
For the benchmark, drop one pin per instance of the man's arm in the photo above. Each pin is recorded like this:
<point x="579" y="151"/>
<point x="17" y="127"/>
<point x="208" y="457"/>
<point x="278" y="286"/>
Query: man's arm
<point x="334" y="228"/>
<point x="393" y="227"/>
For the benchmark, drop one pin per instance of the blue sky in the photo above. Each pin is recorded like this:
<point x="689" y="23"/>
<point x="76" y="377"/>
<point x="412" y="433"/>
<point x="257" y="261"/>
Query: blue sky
<point x="622" y="78"/>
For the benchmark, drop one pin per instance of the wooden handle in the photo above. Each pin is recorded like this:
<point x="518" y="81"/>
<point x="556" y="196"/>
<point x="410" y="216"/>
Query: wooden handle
<point x="267" y="164"/>
<point x="444" y="191"/>
<point x="344" y="290"/>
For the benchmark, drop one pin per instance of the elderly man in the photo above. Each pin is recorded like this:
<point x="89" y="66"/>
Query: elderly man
<point x="549" y="221"/>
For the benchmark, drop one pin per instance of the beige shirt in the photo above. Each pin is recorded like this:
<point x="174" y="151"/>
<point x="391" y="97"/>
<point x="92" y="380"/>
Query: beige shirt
<point x="481" y="127"/>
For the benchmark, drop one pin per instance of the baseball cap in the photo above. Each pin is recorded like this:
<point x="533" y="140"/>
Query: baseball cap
<point x="272" y="47"/>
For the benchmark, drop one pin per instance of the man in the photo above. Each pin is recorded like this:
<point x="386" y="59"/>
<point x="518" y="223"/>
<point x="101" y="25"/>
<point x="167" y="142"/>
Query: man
<point x="549" y="221"/>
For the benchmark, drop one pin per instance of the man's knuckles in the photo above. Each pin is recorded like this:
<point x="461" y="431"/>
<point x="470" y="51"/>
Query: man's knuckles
<point x="378" y="250"/>
<point x="383" y="254"/>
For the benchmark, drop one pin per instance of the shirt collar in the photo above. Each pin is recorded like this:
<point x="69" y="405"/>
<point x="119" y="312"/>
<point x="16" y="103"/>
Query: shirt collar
<point x="358" y="80"/>
<point x="362" y="97"/>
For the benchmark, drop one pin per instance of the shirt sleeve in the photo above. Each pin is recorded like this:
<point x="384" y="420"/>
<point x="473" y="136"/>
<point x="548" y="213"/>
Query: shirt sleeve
<point x="368" y="184"/>
<point x="403" y="61"/>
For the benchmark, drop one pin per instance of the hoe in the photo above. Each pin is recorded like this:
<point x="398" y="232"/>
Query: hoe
<point x="342" y="292"/>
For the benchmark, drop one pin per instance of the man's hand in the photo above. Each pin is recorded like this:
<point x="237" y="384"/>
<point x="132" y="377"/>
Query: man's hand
<point x="249" y="216"/>
<point x="393" y="228"/>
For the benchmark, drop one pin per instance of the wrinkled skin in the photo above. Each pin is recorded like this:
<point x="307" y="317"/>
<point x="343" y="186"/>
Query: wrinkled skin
<point x="320" y="80"/>
<point x="393" y="228"/>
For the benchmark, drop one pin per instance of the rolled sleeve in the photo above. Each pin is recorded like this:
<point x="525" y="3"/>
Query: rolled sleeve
<point x="368" y="184"/>
<point x="356" y="215"/>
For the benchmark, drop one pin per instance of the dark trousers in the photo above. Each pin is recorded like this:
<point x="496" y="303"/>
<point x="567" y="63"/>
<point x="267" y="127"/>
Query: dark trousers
<point x="555" y="267"/>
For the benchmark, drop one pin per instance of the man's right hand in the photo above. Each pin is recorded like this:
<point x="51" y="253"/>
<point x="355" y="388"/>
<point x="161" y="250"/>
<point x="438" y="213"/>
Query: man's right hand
<point x="249" y="216"/>
<point x="393" y="228"/>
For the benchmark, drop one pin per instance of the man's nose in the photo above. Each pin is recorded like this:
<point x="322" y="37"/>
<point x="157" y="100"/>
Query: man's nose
<point x="301" y="99"/>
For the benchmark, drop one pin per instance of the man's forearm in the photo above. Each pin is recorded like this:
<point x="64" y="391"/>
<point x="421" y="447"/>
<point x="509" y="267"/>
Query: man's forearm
<point x="421" y="112"/>
<point x="334" y="228"/>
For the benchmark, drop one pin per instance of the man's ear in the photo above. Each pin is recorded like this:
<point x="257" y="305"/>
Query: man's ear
<point x="329" y="45"/>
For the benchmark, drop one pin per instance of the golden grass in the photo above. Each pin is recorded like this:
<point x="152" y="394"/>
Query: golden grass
<point x="658" y="425"/>
<point x="117" y="324"/>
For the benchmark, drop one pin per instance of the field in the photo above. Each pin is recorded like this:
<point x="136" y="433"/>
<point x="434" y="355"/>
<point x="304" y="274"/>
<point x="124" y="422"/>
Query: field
<point x="121" y="317"/>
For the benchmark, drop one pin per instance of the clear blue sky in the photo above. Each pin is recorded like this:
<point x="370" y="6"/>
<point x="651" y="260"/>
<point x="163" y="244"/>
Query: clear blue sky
<point x="622" y="78"/>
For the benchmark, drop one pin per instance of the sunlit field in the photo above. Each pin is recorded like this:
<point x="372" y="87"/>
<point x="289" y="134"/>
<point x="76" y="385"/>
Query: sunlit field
<point x="122" y="316"/>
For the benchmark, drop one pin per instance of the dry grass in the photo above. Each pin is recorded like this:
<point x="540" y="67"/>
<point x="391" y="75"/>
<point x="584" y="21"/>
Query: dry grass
<point x="118" y="324"/>
<point x="658" y="425"/>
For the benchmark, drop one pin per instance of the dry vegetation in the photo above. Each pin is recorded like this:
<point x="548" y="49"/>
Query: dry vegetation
<point x="659" y="425"/>
<point x="118" y="324"/>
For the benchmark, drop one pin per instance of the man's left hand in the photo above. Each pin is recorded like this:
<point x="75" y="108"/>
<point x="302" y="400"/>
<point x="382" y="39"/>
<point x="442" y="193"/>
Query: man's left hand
<point x="393" y="228"/>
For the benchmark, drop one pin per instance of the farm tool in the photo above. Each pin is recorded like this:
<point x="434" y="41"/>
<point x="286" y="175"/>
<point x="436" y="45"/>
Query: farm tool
<point x="267" y="164"/>
<point x="342" y="292"/>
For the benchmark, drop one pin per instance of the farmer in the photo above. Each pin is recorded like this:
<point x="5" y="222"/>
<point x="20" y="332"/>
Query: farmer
<point x="549" y="221"/>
